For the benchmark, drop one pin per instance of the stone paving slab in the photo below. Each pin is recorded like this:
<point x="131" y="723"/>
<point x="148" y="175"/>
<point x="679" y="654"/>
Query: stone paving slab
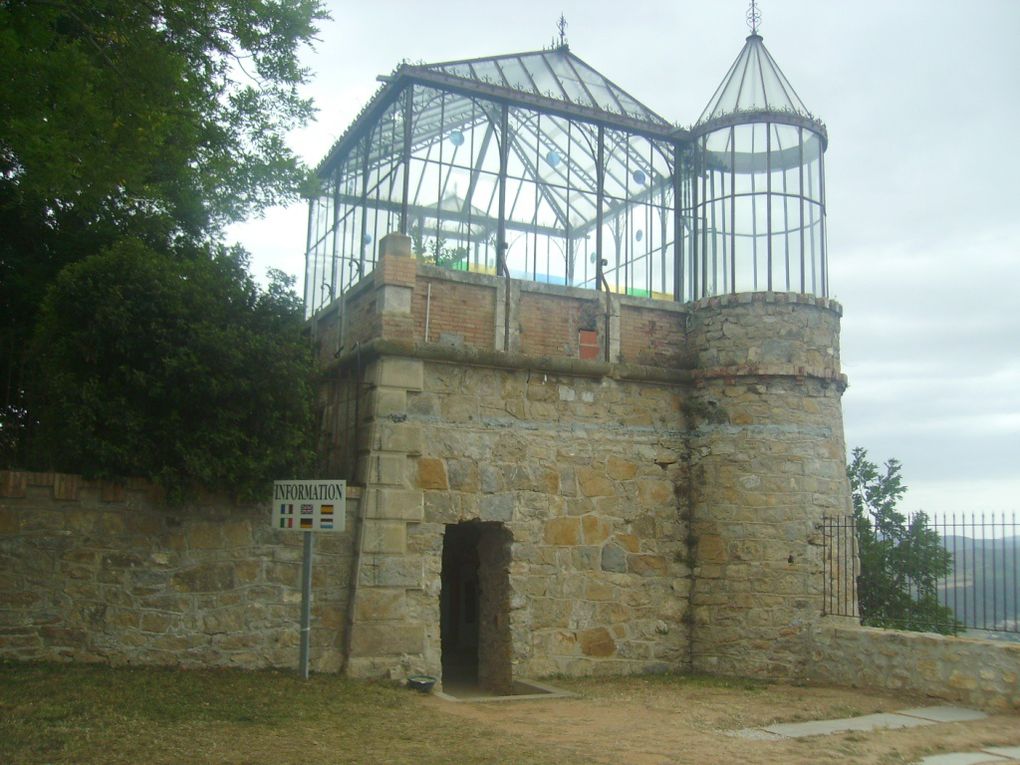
<point x="1005" y="751"/>
<point x="752" y="734"/>
<point x="944" y="714"/>
<point x="904" y="718"/>
<point x="963" y="758"/>
<point x="865" y="722"/>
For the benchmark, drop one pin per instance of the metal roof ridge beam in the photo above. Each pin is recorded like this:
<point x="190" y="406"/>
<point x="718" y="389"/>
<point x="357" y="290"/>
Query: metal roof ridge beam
<point x="534" y="85"/>
<point x="556" y="77"/>
<point x="614" y="87"/>
<point x="584" y="86"/>
<point x="502" y="74"/>
<point x="480" y="59"/>
<point x="567" y="109"/>
<point x="382" y="100"/>
<point x="764" y="86"/>
<point x="788" y="90"/>
<point x="580" y="79"/>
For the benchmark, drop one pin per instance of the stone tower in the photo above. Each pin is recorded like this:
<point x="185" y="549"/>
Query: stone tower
<point x="767" y="447"/>
<point x="584" y="367"/>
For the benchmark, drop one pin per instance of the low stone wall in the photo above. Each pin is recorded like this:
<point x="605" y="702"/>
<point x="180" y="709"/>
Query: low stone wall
<point x="981" y="673"/>
<point x="95" y="571"/>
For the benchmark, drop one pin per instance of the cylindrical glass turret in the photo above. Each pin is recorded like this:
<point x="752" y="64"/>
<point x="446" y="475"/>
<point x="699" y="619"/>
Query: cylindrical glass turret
<point x="759" y="209"/>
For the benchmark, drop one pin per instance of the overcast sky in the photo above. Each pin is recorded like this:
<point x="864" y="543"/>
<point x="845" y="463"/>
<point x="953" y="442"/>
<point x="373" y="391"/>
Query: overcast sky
<point x="922" y="105"/>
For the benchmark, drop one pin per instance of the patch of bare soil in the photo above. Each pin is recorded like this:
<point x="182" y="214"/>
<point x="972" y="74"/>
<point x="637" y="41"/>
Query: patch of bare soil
<point x="653" y="721"/>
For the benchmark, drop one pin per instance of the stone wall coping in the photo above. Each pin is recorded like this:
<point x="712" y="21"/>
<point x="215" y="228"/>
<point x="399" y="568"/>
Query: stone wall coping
<point x="473" y="278"/>
<point x="559" y="290"/>
<point x="365" y="284"/>
<point x="554" y="290"/>
<point x="574" y="367"/>
<point x="749" y="298"/>
<point x="906" y="637"/>
<point x="14" y="484"/>
<point x="670" y="306"/>
<point x="502" y="360"/>
<point x="769" y="370"/>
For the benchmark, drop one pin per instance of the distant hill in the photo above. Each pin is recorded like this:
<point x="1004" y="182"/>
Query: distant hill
<point x="984" y="589"/>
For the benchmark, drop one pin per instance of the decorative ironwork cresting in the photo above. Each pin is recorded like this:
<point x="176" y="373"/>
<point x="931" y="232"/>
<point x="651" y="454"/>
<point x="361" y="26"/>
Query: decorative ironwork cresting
<point x="753" y="17"/>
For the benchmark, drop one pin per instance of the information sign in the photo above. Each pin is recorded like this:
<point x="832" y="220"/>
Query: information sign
<point x="309" y="505"/>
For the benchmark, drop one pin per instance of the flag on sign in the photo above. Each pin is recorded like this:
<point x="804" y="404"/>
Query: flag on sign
<point x="306" y="523"/>
<point x="326" y="510"/>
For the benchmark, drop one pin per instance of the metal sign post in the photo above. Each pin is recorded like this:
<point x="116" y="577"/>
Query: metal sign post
<point x="308" y="507"/>
<point x="306" y="604"/>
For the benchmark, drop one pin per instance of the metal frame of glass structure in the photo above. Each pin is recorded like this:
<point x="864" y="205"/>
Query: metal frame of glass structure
<point x="537" y="167"/>
<point x="759" y="184"/>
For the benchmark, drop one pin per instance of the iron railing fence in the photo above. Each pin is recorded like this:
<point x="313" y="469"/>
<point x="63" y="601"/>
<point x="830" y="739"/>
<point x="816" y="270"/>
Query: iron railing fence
<point x="981" y="590"/>
<point x="841" y="565"/>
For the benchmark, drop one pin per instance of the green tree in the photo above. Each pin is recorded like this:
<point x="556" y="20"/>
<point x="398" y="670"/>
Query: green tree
<point x="176" y="368"/>
<point x="901" y="559"/>
<point x="153" y="120"/>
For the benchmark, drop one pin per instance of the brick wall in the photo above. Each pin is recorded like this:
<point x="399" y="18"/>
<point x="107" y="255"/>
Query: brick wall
<point x="458" y="313"/>
<point x="652" y="335"/>
<point x="470" y="311"/>
<point x="549" y="322"/>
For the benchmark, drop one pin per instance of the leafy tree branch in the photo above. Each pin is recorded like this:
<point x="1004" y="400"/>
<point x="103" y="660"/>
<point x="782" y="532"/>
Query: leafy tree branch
<point x="901" y="559"/>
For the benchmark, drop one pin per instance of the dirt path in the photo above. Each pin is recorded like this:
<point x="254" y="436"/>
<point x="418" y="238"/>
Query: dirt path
<point x="654" y="722"/>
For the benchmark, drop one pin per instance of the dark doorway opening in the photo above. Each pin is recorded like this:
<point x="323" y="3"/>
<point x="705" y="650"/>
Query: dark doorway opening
<point x="475" y="606"/>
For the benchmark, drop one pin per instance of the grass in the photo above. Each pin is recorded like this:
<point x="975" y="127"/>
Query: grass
<point x="63" y="713"/>
<point x="76" y="713"/>
<point x="665" y="680"/>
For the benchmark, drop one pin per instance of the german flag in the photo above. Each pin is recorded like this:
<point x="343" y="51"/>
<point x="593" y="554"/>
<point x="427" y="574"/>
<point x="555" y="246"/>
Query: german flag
<point x="306" y="523"/>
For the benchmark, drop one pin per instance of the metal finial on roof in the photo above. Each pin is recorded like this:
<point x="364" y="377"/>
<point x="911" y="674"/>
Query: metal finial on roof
<point x="753" y="17"/>
<point x="561" y="25"/>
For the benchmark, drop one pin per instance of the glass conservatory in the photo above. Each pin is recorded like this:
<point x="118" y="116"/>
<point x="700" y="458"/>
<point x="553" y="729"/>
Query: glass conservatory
<point x="535" y="166"/>
<point x="758" y="184"/>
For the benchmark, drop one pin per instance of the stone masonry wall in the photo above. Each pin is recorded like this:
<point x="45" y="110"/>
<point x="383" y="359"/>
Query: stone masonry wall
<point x="982" y="673"/>
<point x="768" y="463"/>
<point x="664" y="496"/>
<point x="585" y="474"/>
<point x="343" y="403"/>
<point x="95" y="571"/>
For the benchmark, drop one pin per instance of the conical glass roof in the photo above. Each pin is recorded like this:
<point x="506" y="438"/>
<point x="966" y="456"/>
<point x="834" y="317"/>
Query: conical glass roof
<point x="557" y="74"/>
<point x="754" y="83"/>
